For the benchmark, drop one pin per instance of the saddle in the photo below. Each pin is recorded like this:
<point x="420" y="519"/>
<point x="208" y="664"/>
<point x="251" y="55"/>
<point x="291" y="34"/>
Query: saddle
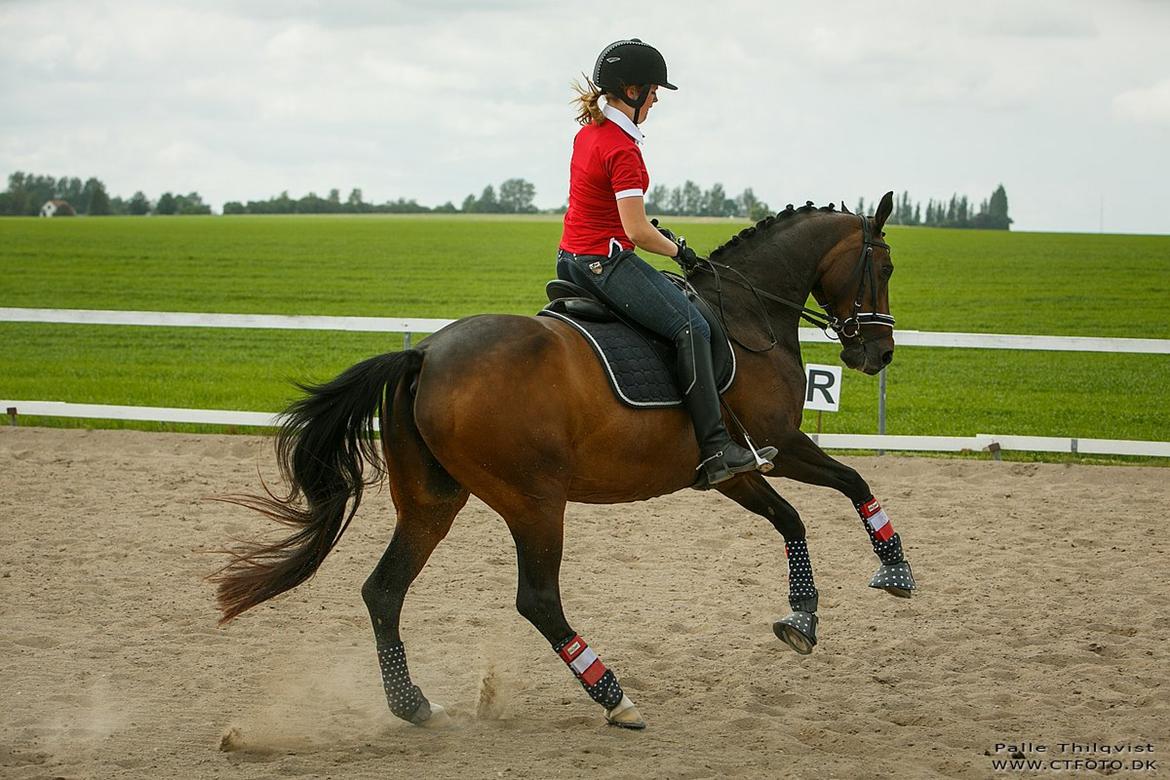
<point x="639" y="364"/>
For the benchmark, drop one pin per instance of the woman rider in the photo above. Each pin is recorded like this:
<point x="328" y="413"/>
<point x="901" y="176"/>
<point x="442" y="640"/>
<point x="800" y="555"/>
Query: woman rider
<point x="606" y="219"/>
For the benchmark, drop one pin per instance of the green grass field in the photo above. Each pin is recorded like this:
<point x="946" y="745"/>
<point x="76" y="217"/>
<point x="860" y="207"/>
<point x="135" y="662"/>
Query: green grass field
<point x="1055" y="284"/>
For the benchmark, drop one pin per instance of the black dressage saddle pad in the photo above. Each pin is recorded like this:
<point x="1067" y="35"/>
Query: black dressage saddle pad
<point x="639" y="364"/>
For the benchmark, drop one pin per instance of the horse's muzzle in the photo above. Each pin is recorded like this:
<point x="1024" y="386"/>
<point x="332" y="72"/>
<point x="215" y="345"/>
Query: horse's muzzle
<point x="869" y="357"/>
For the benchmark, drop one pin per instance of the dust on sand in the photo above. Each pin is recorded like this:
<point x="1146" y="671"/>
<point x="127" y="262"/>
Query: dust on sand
<point x="1042" y="618"/>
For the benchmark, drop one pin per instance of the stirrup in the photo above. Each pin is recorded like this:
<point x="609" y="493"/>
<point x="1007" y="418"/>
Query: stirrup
<point x="714" y="470"/>
<point x="764" y="457"/>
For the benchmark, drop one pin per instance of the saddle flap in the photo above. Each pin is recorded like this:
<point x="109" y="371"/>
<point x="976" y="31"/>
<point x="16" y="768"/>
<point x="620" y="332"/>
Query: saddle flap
<point x="640" y="365"/>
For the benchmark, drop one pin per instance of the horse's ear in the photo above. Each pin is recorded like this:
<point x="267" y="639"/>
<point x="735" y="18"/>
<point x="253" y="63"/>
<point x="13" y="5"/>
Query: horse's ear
<point x="845" y="208"/>
<point x="884" y="209"/>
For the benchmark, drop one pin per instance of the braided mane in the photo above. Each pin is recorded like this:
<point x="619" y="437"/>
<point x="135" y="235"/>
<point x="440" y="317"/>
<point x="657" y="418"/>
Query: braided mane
<point x="780" y="218"/>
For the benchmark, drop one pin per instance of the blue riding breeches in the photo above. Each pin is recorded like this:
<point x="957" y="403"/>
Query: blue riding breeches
<point x="636" y="290"/>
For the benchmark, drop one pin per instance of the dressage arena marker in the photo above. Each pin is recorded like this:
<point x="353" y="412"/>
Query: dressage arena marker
<point x="408" y="326"/>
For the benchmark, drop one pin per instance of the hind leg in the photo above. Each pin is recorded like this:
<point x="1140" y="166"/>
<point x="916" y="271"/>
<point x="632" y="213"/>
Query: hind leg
<point x="415" y="537"/>
<point x="426" y="499"/>
<point x="538" y="530"/>
<point x="805" y="462"/>
<point x="752" y="492"/>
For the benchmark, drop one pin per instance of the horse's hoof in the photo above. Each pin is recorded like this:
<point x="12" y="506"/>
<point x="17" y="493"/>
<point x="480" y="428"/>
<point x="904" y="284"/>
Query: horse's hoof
<point x="437" y="719"/>
<point x="429" y="715"/>
<point x="895" y="579"/>
<point x="625" y="714"/>
<point x="798" y="631"/>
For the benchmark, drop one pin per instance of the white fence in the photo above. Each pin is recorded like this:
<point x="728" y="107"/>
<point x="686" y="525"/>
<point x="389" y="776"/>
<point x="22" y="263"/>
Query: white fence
<point x="409" y="326"/>
<point x="908" y="338"/>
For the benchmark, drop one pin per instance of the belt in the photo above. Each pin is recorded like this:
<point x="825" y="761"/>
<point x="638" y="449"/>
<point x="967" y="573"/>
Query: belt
<point x="615" y="249"/>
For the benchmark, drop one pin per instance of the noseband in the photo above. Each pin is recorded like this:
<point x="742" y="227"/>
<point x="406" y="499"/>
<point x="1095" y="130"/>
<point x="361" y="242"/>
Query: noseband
<point x="834" y="328"/>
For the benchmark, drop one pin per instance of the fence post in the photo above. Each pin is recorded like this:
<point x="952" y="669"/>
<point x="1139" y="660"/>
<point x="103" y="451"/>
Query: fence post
<point x="882" y="406"/>
<point x="12" y="415"/>
<point x="406" y="340"/>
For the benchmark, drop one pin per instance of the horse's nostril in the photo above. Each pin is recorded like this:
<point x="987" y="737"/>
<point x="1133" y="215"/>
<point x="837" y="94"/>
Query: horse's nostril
<point x="887" y="357"/>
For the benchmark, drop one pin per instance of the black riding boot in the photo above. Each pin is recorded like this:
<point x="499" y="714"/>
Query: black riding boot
<point x="719" y="457"/>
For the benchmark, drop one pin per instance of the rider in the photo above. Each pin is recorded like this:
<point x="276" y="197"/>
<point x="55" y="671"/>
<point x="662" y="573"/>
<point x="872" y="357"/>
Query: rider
<point x="606" y="219"/>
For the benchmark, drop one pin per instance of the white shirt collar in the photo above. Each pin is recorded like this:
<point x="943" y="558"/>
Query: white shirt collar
<point x="624" y="122"/>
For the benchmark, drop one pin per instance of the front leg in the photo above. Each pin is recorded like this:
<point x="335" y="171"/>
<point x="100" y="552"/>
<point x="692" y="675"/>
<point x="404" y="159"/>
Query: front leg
<point x="802" y="460"/>
<point x="753" y="493"/>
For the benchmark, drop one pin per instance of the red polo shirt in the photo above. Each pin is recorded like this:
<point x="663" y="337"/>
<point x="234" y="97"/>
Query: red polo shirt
<point x="606" y="166"/>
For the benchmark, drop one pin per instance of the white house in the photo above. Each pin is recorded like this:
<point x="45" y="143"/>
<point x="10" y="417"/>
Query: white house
<point x="57" y="208"/>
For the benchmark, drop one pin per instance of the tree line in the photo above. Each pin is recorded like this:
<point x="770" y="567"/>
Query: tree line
<point x="515" y="196"/>
<point x="27" y="193"/>
<point x="690" y="200"/>
<point x="958" y="212"/>
<point x="330" y="204"/>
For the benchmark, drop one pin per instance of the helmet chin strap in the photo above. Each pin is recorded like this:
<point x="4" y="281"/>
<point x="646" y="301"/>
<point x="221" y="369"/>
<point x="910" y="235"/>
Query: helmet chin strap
<point x="638" y="102"/>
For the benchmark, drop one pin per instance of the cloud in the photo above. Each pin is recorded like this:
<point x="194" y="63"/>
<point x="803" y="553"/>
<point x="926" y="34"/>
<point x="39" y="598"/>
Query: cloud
<point x="245" y="98"/>
<point x="364" y="13"/>
<point x="1145" y="105"/>
<point x="1037" y="21"/>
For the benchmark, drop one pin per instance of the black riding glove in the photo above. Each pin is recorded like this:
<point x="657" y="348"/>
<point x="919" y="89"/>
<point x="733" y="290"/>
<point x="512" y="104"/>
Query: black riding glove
<point x="664" y="231"/>
<point x="686" y="257"/>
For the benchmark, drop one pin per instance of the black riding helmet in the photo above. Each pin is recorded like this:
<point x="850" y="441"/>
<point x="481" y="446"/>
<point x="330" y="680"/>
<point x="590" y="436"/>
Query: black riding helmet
<point x="630" y="63"/>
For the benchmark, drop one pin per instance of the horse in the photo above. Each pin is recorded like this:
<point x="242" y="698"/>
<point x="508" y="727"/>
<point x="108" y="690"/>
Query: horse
<point x="516" y="410"/>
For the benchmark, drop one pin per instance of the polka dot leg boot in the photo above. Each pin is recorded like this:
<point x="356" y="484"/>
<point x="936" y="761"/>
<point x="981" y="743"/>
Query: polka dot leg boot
<point x="404" y="697"/>
<point x="599" y="682"/>
<point x="799" y="630"/>
<point x="894" y="576"/>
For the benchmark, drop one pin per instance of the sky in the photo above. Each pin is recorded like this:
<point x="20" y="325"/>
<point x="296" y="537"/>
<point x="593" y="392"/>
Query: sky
<point x="1067" y="104"/>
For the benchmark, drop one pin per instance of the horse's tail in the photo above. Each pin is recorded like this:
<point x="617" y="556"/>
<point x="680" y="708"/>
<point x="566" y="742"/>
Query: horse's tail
<point x="322" y="449"/>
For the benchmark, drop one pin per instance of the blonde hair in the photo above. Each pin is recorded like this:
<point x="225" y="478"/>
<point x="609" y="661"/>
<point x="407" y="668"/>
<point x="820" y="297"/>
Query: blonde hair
<point x="588" y="111"/>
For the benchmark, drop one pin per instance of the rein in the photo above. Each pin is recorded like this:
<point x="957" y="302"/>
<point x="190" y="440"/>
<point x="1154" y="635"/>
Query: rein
<point x="826" y="321"/>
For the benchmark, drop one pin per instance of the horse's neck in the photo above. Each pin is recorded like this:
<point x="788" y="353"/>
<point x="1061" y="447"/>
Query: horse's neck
<point x="784" y="263"/>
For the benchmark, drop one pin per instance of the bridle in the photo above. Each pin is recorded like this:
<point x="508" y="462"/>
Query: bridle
<point x="834" y="327"/>
<point x="867" y="271"/>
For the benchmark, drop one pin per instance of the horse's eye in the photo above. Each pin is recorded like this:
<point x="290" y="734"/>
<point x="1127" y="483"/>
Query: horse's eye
<point x="888" y="271"/>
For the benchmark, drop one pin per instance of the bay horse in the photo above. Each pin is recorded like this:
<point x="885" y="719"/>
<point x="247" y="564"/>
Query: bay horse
<point x="517" y="410"/>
